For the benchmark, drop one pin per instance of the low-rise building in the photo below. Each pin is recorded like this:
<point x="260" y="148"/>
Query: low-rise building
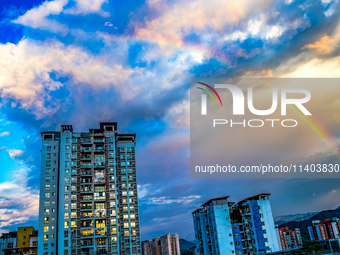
<point x="289" y="239"/>
<point x="21" y="242"/>
<point x="324" y="229"/>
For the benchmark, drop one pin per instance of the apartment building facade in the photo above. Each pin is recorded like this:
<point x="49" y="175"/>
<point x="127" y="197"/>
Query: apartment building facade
<point x="324" y="229"/>
<point x="88" y="192"/>
<point x="164" y="245"/>
<point x="246" y="227"/>
<point x="289" y="239"/>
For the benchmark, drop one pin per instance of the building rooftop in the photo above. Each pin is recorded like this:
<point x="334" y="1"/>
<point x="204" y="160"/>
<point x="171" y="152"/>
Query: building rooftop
<point x="261" y="196"/>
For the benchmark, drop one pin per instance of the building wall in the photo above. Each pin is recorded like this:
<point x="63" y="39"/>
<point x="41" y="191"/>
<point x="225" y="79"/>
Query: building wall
<point x="23" y="236"/>
<point x="271" y="239"/>
<point x="47" y="238"/>
<point x="94" y="183"/>
<point x="224" y="234"/>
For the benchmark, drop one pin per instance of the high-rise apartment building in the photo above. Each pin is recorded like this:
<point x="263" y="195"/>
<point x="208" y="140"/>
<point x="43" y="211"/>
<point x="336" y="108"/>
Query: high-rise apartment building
<point x="164" y="245"/>
<point x="88" y="193"/>
<point x="246" y="227"/>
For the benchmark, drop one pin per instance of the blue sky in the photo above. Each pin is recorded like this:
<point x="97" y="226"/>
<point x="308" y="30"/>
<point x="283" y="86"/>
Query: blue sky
<point x="81" y="62"/>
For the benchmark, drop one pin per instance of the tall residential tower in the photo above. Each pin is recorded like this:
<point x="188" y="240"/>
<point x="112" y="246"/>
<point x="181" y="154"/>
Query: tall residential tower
<point x="88" y="193"/>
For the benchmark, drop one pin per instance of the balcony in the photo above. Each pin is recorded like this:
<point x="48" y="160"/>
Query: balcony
<point x="99" y="180"/>
<point x="86" y="165"/>
<point x="86" y="215"/>
<point x="87" y="242"/>
<point x="99" y="140"/>
<point x="86" y="172"/>
<point x="86" y="189"/>
<point x="86" y="158"/>
<point x="86" y="141"/>
<point x="86" y="207"/>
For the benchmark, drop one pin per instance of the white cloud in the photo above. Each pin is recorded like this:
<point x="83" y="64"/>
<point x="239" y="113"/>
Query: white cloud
<point x="314" y="68"/>
<point x="42" y="18"/>
<point x="88" y="6"/>
<point x="168" y="200"/>
<point x="15" y="153"/>
<point x="18" y="203"/>
<point x="25" y="73"/>
<point x="39" y="17"/>
<point x="6" y="133"/>
<point x="198" y="15"/>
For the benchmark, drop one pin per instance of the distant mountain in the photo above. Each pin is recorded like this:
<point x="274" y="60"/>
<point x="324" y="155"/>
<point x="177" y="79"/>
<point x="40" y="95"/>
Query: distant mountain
<point x="279" y="220"/>
<point x="303" y="225"/>
<point x="185" y="245"/>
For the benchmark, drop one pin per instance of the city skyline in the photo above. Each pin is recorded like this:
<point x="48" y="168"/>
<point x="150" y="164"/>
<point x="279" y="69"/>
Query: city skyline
<point x="73" y="62"/>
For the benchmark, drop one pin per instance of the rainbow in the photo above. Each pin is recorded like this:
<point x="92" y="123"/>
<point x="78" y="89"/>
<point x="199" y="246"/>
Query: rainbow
<point x="319" y="129"/>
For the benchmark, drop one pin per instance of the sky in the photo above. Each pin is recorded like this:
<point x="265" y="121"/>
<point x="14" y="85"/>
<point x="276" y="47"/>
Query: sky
<point x="80" y="62"/>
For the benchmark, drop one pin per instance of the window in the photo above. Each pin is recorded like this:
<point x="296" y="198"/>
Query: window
<point x="46" y="228"/>
<point x="66" y="224"/>
<point x="100" y="205"/>
<point x="46" y="220"/>
<point x="47" y="186"/>
<point x="46" y="211"/>
<point x="49" y="148"/>
<point x="126" y="233"/>
<point x="48" y="163"/>
<point x="47" y="203"/>
<point x="45" y="237"/>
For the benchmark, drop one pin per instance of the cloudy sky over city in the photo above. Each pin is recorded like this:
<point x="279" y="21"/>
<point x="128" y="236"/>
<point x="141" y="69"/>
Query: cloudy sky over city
<point x="80" y="62"/>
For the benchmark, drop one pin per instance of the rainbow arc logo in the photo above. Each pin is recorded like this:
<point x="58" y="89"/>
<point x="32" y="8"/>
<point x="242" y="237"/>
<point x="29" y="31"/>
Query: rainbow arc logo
<point x="209" y="93"/>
